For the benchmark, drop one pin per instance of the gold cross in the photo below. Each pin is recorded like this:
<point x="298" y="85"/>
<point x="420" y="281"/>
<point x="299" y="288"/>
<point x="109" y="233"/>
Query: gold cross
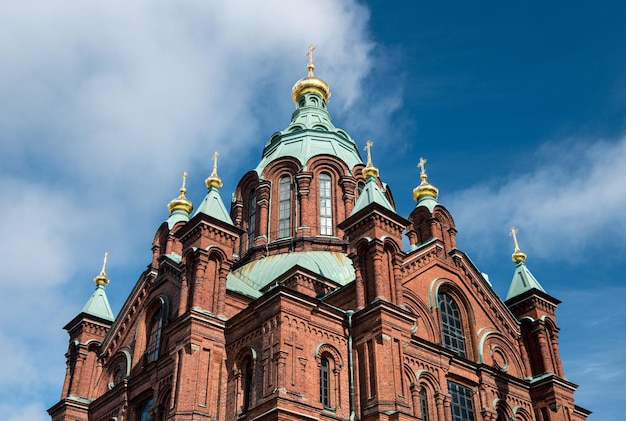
<point x="184" y="179"/>
<point x="513" y="233"/>
<point x="309" y="53"/>
<point x="368" y="147"/>
<point x="104" y="264"/>
<point x="215" y="155"/>
<point x="421" y="165"/>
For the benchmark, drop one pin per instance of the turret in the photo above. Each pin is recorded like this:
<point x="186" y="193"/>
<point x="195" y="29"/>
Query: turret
<point x="429" y="220"/>
<point x="374" y="232"/>
<point x="208" y="242"/>
<point x="86" y="331"/>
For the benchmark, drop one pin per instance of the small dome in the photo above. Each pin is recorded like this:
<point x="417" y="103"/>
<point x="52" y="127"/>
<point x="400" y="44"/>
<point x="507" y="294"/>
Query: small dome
<point x="181" y="202"/>
<point x="425" y="188"/>
<point x="310" y="83"/>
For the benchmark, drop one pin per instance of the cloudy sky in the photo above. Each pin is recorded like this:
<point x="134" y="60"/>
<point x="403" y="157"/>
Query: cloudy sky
<point x="519" y="108"/>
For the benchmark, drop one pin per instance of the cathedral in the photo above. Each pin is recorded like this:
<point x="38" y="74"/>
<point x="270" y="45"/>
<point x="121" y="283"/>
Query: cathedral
<point x="301" y="303"/>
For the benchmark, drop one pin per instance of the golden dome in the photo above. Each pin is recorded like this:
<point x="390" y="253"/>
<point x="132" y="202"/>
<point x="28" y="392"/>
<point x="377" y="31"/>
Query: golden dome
<point x="214" y="180"/>
<point x="102" y="278"/>
<point x="310" y="83"/>
<point x="181" y="202"/>
<point x="425" y="188"/>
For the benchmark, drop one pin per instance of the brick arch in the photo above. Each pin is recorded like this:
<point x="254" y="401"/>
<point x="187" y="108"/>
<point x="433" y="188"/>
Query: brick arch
<point x="429" y="380"/>
<point x="446" y="286"/>
<point x="521" y="414"/>
<point x="426" y="329"/>
<point x="501" y="406"/>
<point x="283" y="165"/>
<point x="326" y="348"/>
<point x="497" y="351"/>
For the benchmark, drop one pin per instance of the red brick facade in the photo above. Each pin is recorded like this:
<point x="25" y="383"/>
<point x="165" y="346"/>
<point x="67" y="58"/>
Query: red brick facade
<point x="417" y="335"/>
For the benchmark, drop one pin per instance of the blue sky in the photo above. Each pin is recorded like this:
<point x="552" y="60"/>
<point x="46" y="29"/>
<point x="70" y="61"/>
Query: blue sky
<point x="518" y="107"/>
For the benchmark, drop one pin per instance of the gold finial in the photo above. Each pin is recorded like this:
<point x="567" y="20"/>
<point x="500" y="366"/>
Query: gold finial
<point x="424" y="189"/>
<point x="310" y="83"/>
<point x="102" y="278"/>
<point x="309" y="54"/>
<point x="518" y="255"/>
<point x="214" y="180"/>
<point x="370" y="170"/>
<point x="181" y="202"/>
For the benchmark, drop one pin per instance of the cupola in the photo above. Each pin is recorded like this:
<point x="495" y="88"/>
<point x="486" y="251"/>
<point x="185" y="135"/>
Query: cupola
<point x="310" y="83"/>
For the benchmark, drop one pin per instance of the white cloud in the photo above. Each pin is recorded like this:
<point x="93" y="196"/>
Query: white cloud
<point x="104" y="105"/>
<point x="570" y="198"/>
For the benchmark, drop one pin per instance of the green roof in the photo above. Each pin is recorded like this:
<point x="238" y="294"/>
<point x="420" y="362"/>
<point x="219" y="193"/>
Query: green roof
<point x="98" y="305"/>
<point x="177" y="216"/>
<point x="310" y="133"/>
<point x="212" y="205"/>
<point x="331" y="265"/>
<point x="371" y="194"/>
<point x="428" y="201"/>
<point x="522" y="281"/>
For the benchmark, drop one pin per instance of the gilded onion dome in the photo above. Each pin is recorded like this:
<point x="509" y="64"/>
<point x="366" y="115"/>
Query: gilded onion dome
<point x="214" y="180"/>
<point x="181" y="202"/>
<point x="310" y="83"/>
<point x="425" y="188"/>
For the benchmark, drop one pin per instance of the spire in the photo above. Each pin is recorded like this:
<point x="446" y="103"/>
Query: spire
<point x="523" y="280"/>
<point x="371" y="192"/>
<point x="180" y="208"/>
<point x="214" y="180"/>
<point x="370" y="170"/>
<point x="425" y="194"/>
<point x="212" y="204"/>
<point x="310" y="83"/>
<point x="518" y="255"/>
<point x="98" y="303"/>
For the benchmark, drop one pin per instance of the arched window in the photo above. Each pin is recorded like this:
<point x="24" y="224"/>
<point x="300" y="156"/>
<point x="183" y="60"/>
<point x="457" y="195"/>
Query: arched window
<point x="154" y="335"/>
<point x="326" y="205"/>
<point x="462" y="407"/>
<point x="251" y="218"/>
<point x="424" y="403"/>
<point x="246" y="378"/>
<point x="325" y="382"/>
<point x="451" y="325"/>
<point x="284" y="207"/>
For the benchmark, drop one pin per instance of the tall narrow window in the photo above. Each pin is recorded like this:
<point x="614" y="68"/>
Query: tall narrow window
<point x="324" y="382"/>
<point x="154" y="336"/>
<point x="326" y="212"/>
<point x="423" y="404"/>
<point x="461" y="406"/>
<point x="451" y="325"/>
<point x="284" y="207"/>
<point x="251" y="218"/>
<point x="247" y="385"/>
<point x="143" y="410"/>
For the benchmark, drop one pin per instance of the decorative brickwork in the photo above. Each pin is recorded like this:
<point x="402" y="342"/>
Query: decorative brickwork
<point x="212" y="332"/>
